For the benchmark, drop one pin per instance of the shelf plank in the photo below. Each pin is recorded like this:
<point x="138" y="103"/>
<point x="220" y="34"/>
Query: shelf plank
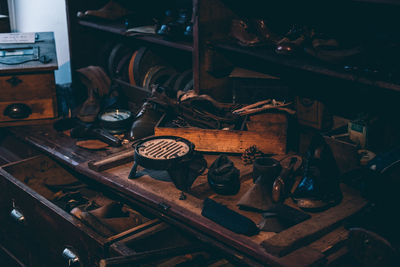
<point x="119" y="28"/>
<point x="297" y="63"/>
<point x="387" y="2"/>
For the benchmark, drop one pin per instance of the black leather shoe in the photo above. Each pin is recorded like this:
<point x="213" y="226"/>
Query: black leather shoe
<point x="293" y="40"/>
<point x="146" y="119"/>
<point x="245" y="35"/>
<point x="319" y="188"/>
<point x="176" y="27"/>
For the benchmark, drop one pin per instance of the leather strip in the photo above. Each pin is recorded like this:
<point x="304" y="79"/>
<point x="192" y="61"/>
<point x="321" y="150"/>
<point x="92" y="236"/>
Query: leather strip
<point x="183" y="79"/>
<point x="130" y="69"/>
<point x="144" y="60"/>
<point x="94" y="77"/>
<point x="122" y="67"/>
<point x="103" y="79"/>
<point x="188" y="86"/>
<point x="119" y="51"/>
<point x="171" y="80"/>
<point x="149" y="75"/>
<point x="104" y="54"/>
<point x="160" y="76"/>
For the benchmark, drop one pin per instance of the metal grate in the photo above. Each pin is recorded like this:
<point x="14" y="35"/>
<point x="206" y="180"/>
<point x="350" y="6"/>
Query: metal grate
<point x="162" y="149"/>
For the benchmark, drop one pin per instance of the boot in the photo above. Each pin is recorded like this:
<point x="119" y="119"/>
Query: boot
<point x="146" y="119"/>
<point x="98" y="85"/>
<point x="319" y="188"/>
<point x="90" y="108"/>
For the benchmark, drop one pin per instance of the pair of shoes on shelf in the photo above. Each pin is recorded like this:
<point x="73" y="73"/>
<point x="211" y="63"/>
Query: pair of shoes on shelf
<point x="293" y="40"/>
<point x="176" y="24"/>
<point x="252" y="32"/>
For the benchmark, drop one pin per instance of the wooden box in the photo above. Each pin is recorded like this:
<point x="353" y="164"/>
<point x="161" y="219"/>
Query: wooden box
<point x="313" y="113"/>
<point x="28" y="92"/>
<point x="268" y="140"/>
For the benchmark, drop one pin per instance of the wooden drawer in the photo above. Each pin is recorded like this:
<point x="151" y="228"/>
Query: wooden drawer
<point x="27" y="86"/>
<point x="40" y="237"/>
<point x="39" y="109"/>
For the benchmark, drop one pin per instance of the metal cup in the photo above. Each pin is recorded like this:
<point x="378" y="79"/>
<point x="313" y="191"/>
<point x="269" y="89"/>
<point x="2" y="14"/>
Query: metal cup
<point x="266" y="168"/>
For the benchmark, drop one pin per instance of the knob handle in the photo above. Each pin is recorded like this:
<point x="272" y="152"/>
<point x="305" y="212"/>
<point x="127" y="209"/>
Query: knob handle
<point x="18" y="111"/>
<point x="70" y="256"/>
<point x="17" y="216"/>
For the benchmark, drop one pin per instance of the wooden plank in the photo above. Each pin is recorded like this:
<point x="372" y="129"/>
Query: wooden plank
<point x="231" y="141"/>
<point x="336" y="258"/>
<point x="331" y="240"/>
<point x="317" y="252"/>
<point x="147" y="232"/>
<point x="112" y="160"/>
<point x="11" y="260"/>
<point x="305" y="232"/>
<point x="120" y="29"/>
<point x="303" y="257"/>
<point x="149" y="256"/>
<point x="212" y="22"/>
<point x="134" y="230"/>
<point x="288" y="65"/>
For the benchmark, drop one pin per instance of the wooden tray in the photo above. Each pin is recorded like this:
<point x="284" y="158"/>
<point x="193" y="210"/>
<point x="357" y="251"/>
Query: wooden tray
<point x="312" y="241"/>
<point x="271" y="140"/>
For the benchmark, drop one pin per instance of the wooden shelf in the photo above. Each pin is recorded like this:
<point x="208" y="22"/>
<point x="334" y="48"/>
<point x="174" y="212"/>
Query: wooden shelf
<point x="267" y="55"/>
<point x="119" y="28"/>
<point x="387" y="2"/>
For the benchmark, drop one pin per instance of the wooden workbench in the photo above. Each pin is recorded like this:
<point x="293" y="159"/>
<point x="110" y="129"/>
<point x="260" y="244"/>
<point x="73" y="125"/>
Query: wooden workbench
<point x="317" y="240"/>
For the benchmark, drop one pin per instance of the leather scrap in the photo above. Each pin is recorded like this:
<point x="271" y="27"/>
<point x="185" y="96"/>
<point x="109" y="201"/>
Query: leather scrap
<point x="92" y="144"/>
<point x="228" y="218"/>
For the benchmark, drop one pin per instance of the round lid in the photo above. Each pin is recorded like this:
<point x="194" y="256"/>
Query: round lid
<point x="164" y="148"/>
<point x="115" y="115"/>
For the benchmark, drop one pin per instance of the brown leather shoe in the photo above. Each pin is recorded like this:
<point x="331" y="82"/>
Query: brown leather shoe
<point x="243" y="33"/>
<point x="111" y="11"/>
<point x="293" y="40"/>
<point x="98" y="85"/>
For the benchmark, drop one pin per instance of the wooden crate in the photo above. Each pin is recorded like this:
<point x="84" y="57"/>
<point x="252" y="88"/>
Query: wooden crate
<point x="268" y="140"/>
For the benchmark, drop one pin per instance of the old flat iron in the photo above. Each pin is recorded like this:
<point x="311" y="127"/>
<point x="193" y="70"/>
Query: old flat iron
<point x="171" y="153"/>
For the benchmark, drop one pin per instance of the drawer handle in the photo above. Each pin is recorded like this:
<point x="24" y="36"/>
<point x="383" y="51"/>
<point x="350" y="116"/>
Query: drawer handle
<point x="14" y="81"/>
<point x="18" y="111"/>
<point x="17" y="216"/>
<point x="70" y="256"/>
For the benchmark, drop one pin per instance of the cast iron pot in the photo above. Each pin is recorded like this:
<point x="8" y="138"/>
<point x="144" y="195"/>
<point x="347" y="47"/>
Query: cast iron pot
<point x="176" y="164"/>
